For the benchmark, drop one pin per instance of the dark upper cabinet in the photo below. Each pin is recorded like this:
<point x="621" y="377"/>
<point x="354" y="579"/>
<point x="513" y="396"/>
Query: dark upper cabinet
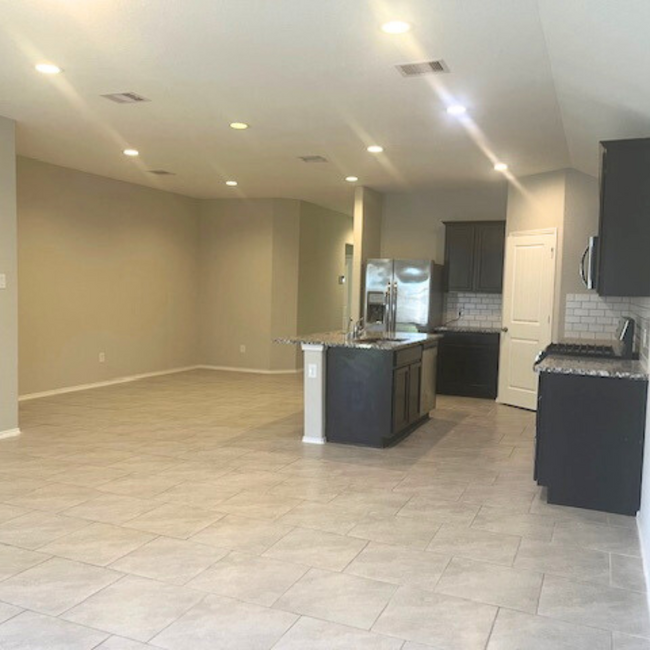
<point x="624" y="241"/>
<point x="474" y="253"/>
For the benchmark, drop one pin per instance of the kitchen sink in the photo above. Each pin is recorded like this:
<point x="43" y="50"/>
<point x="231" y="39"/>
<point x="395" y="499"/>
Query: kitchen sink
<point x="376" y="339"/>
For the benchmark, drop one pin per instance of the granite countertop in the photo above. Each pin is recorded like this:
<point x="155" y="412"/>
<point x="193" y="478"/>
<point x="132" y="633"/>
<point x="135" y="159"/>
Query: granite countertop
<point x="339" y="340"/>
<point x="468" y="329"/>
<point x="615" y="368"/>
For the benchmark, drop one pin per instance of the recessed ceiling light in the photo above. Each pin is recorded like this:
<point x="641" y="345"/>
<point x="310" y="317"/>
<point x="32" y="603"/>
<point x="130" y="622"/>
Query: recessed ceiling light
<point x="351" y="179"/>
<point x="131" y="152"/>
<point x="456" y="109"/>
<point x="48" y="68"/>
<point x="231" y="183"/>
<point x="396" y="27"/>
<point x="500" y="167"/>
<point x="375" y="148"/>
<point x="238" y="126"/>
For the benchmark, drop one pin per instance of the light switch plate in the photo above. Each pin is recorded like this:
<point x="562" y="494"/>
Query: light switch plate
<point x="3" y="281"/>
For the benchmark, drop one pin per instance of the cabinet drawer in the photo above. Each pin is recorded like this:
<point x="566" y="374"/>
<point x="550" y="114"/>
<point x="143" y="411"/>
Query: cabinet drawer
<point x="408" y="356"/>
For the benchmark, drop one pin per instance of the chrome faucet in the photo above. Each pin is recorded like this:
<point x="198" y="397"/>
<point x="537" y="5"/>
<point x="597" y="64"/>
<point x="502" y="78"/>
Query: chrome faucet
<point x="355" y="329"/>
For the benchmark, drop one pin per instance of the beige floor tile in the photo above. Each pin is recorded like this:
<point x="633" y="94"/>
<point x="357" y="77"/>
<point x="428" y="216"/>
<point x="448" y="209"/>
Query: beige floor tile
<point x="226" y="624"/>
<point x="439" y="511"/>
<point x="242" y="534"/>
<point x="10" y="512"/>
<point x="136" y="608"/>
<point x="145" y="463"/>
<point x="174" y="520"/>
<point x="519" y="631"/>
<point x="120" y="643"/>
<point x="593" y="605"/>
<point x="88" y="475"/>
<point x="55" y="585"/>
<point x="312" y="634"/>
<point x="491" y="584"/>
<point x="98" y="544"/>
<point x="8" y="611"/>
<point x="610" y="539"/>
<point x="320" y="516"/>
<point x="258" y="505"/>
<point x="169" y="560"/>
<point x="199" y="494"/>
<point x="498" y="520"/>
<point x="54" y="497"/>
<point x="31" y="631"/>
<point x="337" y="597"/>
<point x="249" y="578"/>
<point x="627" y="572"/>
<point x="371" y="502"/>
<point x="400" y="531"/>
<point x="436" y="620"/>
<point x="475" y="544"/>
<point x="399" y="565"/>
<point x="112" y="508"/>
<point x="143" y="486"/>
<point x="317" y="549"/>
<point x="625" y="642"/>
<point x="573" y="562"/>
<point x="36" y="529"/>
<point x="15" y="560"/>
<point x="308" y="489"/>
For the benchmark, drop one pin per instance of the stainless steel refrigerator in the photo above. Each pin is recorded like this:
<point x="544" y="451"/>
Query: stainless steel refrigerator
<point x="402" y="295"/>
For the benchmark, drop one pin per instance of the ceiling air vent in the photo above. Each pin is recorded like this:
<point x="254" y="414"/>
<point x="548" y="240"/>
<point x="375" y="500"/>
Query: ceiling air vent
<point x="426" y="67"/>
<point x="313" y="159"/>
<point x="126" y="98"/>
<point x="161" y="172"/>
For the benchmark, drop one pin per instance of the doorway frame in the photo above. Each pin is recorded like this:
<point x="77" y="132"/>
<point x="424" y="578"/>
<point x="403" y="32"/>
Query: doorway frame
<point x="557" y="277"/>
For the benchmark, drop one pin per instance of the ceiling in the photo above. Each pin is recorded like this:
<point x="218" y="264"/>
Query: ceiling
<point x="543" y="81"/>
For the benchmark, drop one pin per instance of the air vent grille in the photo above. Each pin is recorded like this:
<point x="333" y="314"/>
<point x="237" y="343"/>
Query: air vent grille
<point x="425" y="67"/>
<point x="161" y="172"/>
<point x="126" y="98"/>
<point x="313" y="159"/>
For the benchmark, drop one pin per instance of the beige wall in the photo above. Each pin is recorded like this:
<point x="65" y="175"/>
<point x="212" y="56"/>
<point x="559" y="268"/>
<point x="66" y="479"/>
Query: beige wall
<point x="323" y="236"/>
<point x="8" y="267"/>
<point x="568" y="201"/>
<point x="105" y="266"/>
<point x="412" y="224"/>
<point x="367" y="219"/>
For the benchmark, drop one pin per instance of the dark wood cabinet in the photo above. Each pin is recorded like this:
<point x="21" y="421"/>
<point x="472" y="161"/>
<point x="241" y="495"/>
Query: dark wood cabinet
<point x="474" y="252"/>
<point x="468" y="364"/>
<point x="623" y="261"/>
<point x="589" y="444"/>
<point x="374" y="397"/>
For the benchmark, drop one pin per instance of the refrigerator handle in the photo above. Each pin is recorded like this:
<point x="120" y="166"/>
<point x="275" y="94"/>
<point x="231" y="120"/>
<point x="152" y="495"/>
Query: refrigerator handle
<point x="394" y="309"/>
<point x="387" y="309"/>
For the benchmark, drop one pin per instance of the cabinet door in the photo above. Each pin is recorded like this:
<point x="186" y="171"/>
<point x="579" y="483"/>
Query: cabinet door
<point x="488" y="260"/>
<point x="400" y="399"/>
<point x="415" y="379"/>
<point x="459" y="257"/>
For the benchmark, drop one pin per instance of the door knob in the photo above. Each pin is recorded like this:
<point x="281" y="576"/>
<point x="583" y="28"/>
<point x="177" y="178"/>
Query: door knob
<point x="504" y="329"/>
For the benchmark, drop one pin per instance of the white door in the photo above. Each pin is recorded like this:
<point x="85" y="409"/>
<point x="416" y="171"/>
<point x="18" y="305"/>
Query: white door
<point x="528" y="287"/>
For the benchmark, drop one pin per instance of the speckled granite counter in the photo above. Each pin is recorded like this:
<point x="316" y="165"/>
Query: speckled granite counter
<point x="467" y="329"/>
<point x="615" y="368"/>
<point x="368" y="342"/>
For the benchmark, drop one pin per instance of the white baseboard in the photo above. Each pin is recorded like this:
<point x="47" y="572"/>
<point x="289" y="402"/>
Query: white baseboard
<point x="9" y="433"/>
<point x="101" y="384"/>
<point x="257" y="371"/>
<point x="645" y="548"/>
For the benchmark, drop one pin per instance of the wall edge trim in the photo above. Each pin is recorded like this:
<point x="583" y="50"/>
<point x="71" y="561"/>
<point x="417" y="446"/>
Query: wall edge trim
<point x="643" y="543"/>
<point x="258" y="371"/>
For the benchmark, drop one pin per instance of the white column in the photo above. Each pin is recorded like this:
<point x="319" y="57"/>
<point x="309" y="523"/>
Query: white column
<point x="315" y="383"/>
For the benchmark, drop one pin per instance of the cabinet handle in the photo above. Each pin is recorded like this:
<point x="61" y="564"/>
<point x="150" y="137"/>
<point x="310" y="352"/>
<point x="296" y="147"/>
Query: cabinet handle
<point x="504" y="329"/>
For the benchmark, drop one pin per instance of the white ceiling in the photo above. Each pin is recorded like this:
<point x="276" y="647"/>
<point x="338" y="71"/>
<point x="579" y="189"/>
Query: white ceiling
<point x="544" y="80"/>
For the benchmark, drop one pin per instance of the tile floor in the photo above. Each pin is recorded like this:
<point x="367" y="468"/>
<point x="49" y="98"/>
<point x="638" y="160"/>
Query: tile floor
<point x="184" y="512"/>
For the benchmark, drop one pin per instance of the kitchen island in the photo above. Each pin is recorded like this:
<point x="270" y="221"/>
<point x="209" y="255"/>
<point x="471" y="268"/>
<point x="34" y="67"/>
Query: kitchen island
<point x="372" y="390"/>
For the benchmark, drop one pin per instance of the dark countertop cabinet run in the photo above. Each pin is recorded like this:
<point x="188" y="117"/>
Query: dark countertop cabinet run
<point x="624" y="233"/>
<point x="468" y="364"/>
<point x="474" y="252"/>
<point x="590" y="437"/>
<point x="373" y="396"/>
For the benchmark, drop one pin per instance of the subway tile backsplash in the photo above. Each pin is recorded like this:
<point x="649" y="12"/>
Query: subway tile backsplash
<point x="478" y="309"/>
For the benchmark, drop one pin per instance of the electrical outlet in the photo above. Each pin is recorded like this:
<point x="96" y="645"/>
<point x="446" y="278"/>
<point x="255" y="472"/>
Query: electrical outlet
<point x="460" y="313"/>
<point x="312" y="370"/>
<point x="102" y="357"/>
<point x="242" y="349"/>
<point x="3" y="281"/>
<point x="644" y="337"/>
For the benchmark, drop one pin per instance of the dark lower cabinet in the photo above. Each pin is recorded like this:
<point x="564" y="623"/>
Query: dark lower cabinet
<point x="589" y="445"/>
<point x="468" y="364"/>
<point x="373" y="396"/>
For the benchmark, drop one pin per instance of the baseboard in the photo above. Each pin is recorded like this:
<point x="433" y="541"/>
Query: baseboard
<point x="257" y="371"/>
<point x="9" y="433"/>
<point x="645" y="546"/>
<point x="101" y="384"/>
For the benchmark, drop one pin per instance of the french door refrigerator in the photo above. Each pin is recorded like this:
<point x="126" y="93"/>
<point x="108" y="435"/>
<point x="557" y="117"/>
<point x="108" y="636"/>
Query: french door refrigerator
<point x="402" y="296"/>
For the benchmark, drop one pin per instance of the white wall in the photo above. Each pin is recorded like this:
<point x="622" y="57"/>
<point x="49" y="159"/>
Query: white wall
<point x="8" y="266"/>
<point x="412" y="225"/>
